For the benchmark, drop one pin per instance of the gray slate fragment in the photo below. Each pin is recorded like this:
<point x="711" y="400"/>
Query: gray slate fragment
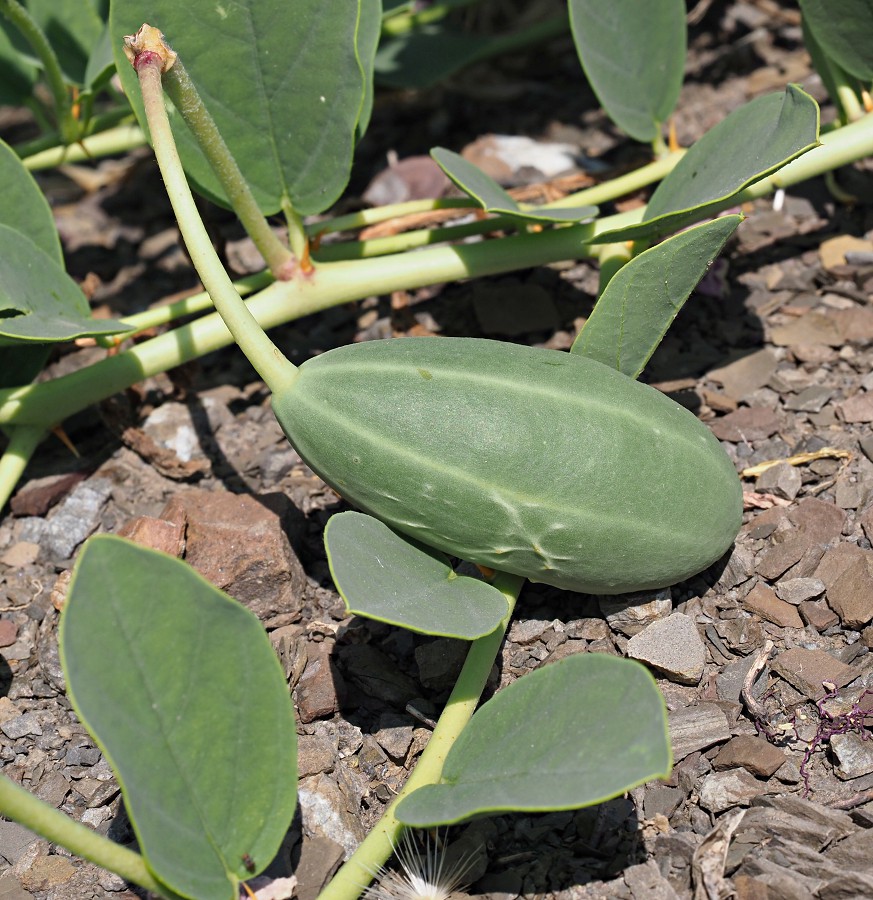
<point x="796" y="590"/>
<point x="849" y="886"/>
<point x="782" y="480"/>
<point x="646" y="880"/>
<point x="19" y="726"/>
<point x="695" y="727"/>
<point x="14" y="839"/>
<point x="722" y="790"/>
<point x="854" y="755"/>
<point x="672" y="646"/>
<point x="629" y="614"/>
<point x="76" y="517"/>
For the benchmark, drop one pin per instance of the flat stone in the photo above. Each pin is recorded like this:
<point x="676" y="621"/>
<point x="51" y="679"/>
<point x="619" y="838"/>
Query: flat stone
<point x="782" y="480"/>
<point x="858" y="408"/>
<point x="812" y="399"/>
<point x="38" y="496"/>
<point x="320" y="857"/>
<point x="377" y="676"/>
<point x="697" y="727"/>
<point x="812" y="328"/>
<point x="315" y="754"/>
<point x="646" y="880"/>
<point x="750" y="423"/>
<point x="818" y="614"/>
<point x="805" y="670"/>
<point x="851" y="494"/>
<point x="849" y="886"/>
<point x="14" y="839"/>
<point x="325" y="808"/>
<point x="20" y="554"/>
<point x="8" y="632"/>
<point x="764" y="602"/>
<point x="832" y="251"/>
<point x="722" y="790"/>
<point x="74" y="520"/>
<point x="850" y="596"/>
<point x="673" y="646"/>
<point x="661" y="800"/>
<point x="439" y="662"/>
<point x="395" y="739"/>
<point x="631" y="613"/>
<point x="854" y="755"/>
<point x="47" y="872"/>
<point x="53" y="789"/>
<point x="240" y="544"/>
<point x="159" y="534"/>
<point x="729" y="681"/>
<point x="319" y="690"/>
<point x="796" y="590"/>
<point x="745" y="375"/>
<point x="20" y="726"/>
<point x="837" y="559"/>
<point x="754" y="754"/>
<point x="820" y="516"/>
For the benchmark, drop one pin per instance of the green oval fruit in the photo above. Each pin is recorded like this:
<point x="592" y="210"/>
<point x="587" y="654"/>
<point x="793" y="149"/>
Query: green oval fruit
<point x="531" y="461"/>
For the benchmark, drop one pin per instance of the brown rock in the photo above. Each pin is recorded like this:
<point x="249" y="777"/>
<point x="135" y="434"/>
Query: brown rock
<point x="722" y="790"/>
<point x="763" y="601"/>
<point x="858" y="408"/>
<point x="836" y="560"/>
<point x="851" y="594"/>
<point x="315" y="754"/>
<point x="818" y="614"/>
<point x="812" y="328"/>
<point x="695" y="727"/>
<point x="754" y="754"/>
<point x="825" y="519"/>
<point x="24" y="553"/>
<point x="37" y="497"/>
<point x="159" y="534"/>
<point x="8" y="632"/>
<point x="752" y="423"/>
<point x="321" y="687"/>
<point x="807" y="669"/>
<point x="781" y="556"/>
<point x="832" y="252"/>
<point x="746" y="374"/>
<point x="238" y="542"/>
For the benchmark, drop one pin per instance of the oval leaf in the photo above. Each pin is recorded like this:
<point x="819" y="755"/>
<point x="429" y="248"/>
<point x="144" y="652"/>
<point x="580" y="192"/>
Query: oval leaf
<point x="180" y="687"/>
<point x="642" y="299"/>
<point x="634" y="57"/>
<point x="24" y="206"/>
<point x="575" y="733"/>
<point x="384" y="576"/>
<point x="488" y="194"/>
<point x="748" y="145"/>
<point x="38" y="301"/>
<point x="844" y="29"/>
<point x="282" y="80"/>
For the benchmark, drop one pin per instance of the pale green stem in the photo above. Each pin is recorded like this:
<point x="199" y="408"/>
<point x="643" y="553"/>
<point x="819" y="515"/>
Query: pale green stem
<point x="612" y="258"/>
<point x="296" y="230"/>
<point x="37" y="815"/>
<point x="33" y="34"/>
<point x="188" y="306"/>
<point x="23" y="441"/>
<point x="365" y="217"/>
<point x="106" y="143"/>
<point x="262" y="353"/>
<point x="381" y="842"/>
<point x="403" y="23"/>
<point x="186" y="98"/>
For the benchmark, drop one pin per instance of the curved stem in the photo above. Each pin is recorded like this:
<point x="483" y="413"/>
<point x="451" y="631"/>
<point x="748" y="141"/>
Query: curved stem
<point x="25" y="23"/>
<point x="263" y="354"/>
<point x="379" y="844"/>
<point x="16" y="803"/>
<point x="23" y="441"/>
<point x="182" y="91"/>
<point x="106" y="143"/>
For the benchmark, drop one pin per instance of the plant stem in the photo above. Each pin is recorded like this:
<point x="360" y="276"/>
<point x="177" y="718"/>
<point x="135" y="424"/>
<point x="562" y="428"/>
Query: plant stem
<point x="23" y="441"/>
<point x="263" y="354"/>
<point x="186" y="98"/>
<point x="106" y="143"/>
<point x="380" y="843"/>
<point x="37" y="815"/>
<point x="34" y="35"/>
<point x="405" y="22"/>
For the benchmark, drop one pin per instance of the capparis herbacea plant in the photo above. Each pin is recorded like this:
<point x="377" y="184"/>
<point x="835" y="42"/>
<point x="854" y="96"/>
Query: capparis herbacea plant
<point x="431" y="440"/>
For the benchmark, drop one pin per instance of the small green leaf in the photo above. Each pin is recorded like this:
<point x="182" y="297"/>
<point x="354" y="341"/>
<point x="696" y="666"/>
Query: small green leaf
<point x="482" y="188"/>
<point x="748" y="145"/>
<point x="844" y="29"/>
<point x="282" y="80"/>
<point x="72" y="28"/>
<point x="634" y="57"/>
<point x="642" y="299"/>
<point x="572" y="734"/>
<point x="179" y="686"/>
<point x="101" y="62"/>
<point x="384" y="576"/>
<point x="24" y="207"/>
<point x="369" y="29"/>
<point x="39" y="302"/>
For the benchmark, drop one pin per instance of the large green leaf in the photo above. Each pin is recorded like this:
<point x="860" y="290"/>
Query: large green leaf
<point x="644" y="296"/>
<point x="390" y="578"/>
<point x="39" y="302"/>
<point x="180" y="688"/>
<point x="24" y="207"/>
<point x="844" y="29"/>
<point x="488" y="194"/>
<point x="634" y="56"/>
<point x="572" y="734"/>
<point x="748" y="145"/>
<point x="282" y="80"/>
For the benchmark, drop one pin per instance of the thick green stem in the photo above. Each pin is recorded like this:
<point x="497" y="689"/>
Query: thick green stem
<point x="37" y="815"/>
<point x="263" y="354"/>
<point x="380" y="843"/>
<point x="182" y="91"/>
<point x="33" y="34"/>
<point x="23" y="441"/>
